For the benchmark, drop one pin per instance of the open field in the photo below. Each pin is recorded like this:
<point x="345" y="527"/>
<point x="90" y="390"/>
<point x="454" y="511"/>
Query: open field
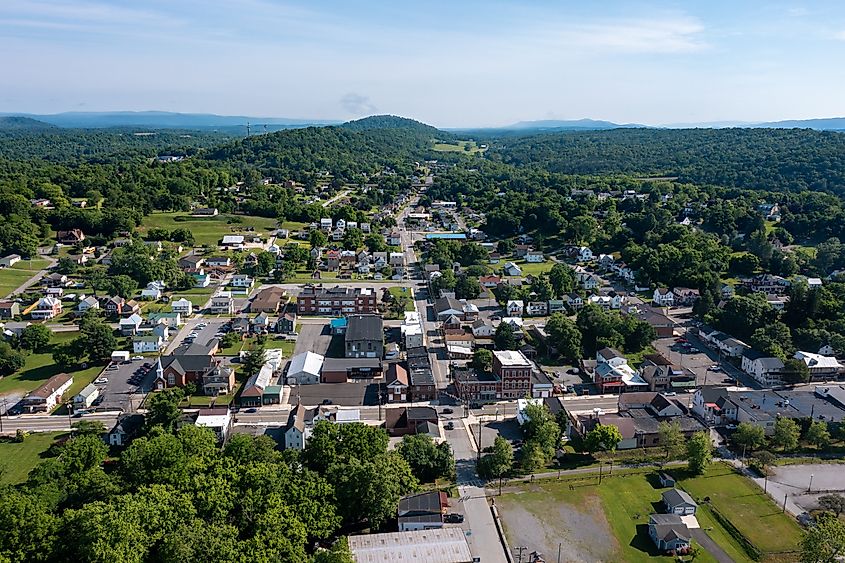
<point x="459" y="146"/>
<point x="18" y="459"/>
<point x="543" y="514"/>
<point x="12" y="278"/>
<point x="533" y="268"/>
<point x="207" y="230"/>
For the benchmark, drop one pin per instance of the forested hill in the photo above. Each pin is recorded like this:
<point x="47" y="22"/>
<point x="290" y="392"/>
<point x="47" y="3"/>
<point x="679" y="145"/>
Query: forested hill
<point x="364" y="146"/>
<point x="785" y="159"/>
<point x="15" y="123"/>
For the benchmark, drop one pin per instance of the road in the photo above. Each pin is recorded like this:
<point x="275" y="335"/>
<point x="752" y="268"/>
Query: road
<point x="50" y="423"/>
<point x="341" y="195"/>
<point x="37" y="276"/>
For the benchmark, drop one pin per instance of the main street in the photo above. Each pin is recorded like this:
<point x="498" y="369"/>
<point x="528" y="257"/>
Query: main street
<point x="50" y="423"/>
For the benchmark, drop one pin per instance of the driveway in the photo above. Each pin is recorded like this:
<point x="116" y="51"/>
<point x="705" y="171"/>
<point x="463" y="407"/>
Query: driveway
<point x="712" y="547"/>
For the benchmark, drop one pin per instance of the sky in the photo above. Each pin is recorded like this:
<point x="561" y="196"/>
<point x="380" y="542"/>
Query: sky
<point x="455" y="63"/>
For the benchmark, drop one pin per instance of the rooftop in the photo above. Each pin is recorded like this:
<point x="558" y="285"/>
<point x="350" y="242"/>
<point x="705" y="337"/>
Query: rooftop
<point x="364" y="327"/>
<point x="443" y="545"/>
<point x="511" y="358"/>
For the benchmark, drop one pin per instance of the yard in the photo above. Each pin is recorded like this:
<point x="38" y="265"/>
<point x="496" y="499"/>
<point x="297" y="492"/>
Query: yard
<point x="17" y="459"/>
<point x="12" y="278"/>
<point x="533" y="268"/>
<point x="208" y="230"/>
<point x="543" y="514"/>
<point x="399" y="292"/>
<point x="459" y="146"/>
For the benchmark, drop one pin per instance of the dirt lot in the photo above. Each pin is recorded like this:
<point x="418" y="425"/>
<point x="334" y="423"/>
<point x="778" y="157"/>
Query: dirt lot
<point x="544" y="523"/>
<point x="794" y="480"/>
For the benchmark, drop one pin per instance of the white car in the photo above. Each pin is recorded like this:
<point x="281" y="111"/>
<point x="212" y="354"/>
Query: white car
<point x="101" y="380"/>
<point x="137" y="357"/>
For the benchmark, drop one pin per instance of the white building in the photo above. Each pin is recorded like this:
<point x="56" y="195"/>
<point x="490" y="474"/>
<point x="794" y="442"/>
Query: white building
<point x="242" y="281"/>
<point x="304" y="369"/>
<point x="182" y="306"/>
<point x="86" y="397"/>
<point x="218" y="420"/>
<point x="223" y="304"/>
<point x="233" y="241"/>
<point x="147" y="343"/>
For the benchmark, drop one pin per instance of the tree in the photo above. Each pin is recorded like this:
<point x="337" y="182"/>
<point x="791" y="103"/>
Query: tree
<point x="266" y="263"/>
<point x="564" y="336"/>
<point x="88" y="428"/>
<point x="744" y="264"/>
<point x="67" y="266"/>
<point x="427" y="460"/>
<point x="35" y="337"/>
<point x="64" y="355"/>
<point x="505" y="337"/>
<point x="604" y="437"/>
<point x="96" y="339"/>
<point x="532" y="457"/>
<point x="253" y="360"/>
<point x="825" y="541"/>
<point x="562" y="279"/>
<point x="542" y="288"/>
<point x="353" y="239"/>
<point x="818" y="435"/>
<point x="699" y="452"/>
<point x="10" y="360"/>
<point x="541" y="427"/>
<point x="121" y="285"/>
<point x="786" y="434"/>
<point x="482" y="359"/>
<point x="834" y="502"/>
<point x="163" y="408"/>
<point x="795" y="371"/>
<point x="749" y="436"/>
<point x="499" y="462"/>
<point x="317" y="238"/>
<point x="83" y="453"/>
<point x="762" y="460"/>
<point x="671" y="439"/>
<point x="467" y="287"/>
<point x="375" y="243"/>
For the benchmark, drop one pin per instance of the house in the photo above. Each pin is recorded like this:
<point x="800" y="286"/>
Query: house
<point x="205" y="212"/>
<point x="364" y="337"/>
<point x="223" y="304"/>
<point x="685" y="296"/>
<point x="253" y="391"/>
<point x="86" y="304"/>
<point x="766" y="370"/>
<point x="218" y="262"/>
<point x="572" y="300"/>
<point x="606" y="261"/>
<point x="663" y="297"/>
<point x="232" y="241"/>
<point x="48" y="395"/>
<point x="397" y="383"/>
<point x="341" y="370"/>
<point x="394" y="238"/>
<point x="86" y="397"/>
<point x="120" y="307"/>
<point x="669" y="533"/>
<point x="242" y="281"/>
<point x="515" y="308"/>
<point x="260" y="324"/>
<point x="47" y="308"/>
<point x="420" y="377"/>
<point x="483" y="329"/>
<point x="125" y="429"/>
<point x="268" y="300"/>
<point x="201" y="279"/>
<point x="512" y="269"/>
<point x="821" y="367"/>
<point x="590" y="282"/>
<point x="171" y="320"/>
<point x="10" y="309"/>
<point x="537" y="309"/>
<point x="14" y="328"/>
<point x="679" y="502"/>
<point x="130" y="325"/>
<point x="422" y="511"/>
<point x="10" y="260"/>
<point x="72" y="236"/>
<point x="326" y="224"/>
<point x="399" y="421"/>
<point x="182" y="306"/>
<point x="197" y="365"/>
<point x="304" y="369"/>
<point x="534" y="257"/>
<point x="56" y="280"/>
<point x="613" y="374"/>
<point x="218" y="420"/>
<point x="286" y="323"/>
<point x="153" y="291"/>
<point x="771" y="211"/>
<point x="147" y="343"/>
<point x="489" y="282"/>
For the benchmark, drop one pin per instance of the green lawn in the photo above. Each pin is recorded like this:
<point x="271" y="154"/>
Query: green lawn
<point x="12" y="278"/>
<point x="18" y="459"/>
<point x="40" y="367"/>
<point x="624" y="501"/>
<point x="459" y="146"/>
<point x="748" y="508"/>
<point x="399" y="292"/>
<point x="534" y="269"/>
<point x="207" y="230"/>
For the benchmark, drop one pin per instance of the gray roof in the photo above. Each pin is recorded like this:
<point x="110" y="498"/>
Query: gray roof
<point x="675" y="497"/>
<point x="88" y="390"/>
<point x="336" y="364"/>
<point x="364" y="327"/>
<point x="610" y="353"/>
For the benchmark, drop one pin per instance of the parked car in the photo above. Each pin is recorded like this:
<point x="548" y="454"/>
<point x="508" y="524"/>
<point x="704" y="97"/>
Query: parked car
<point x="137" y="357"/>
<point x="453" y="518"/>
<point x="449" y="426"/>
<point x="448" y="411"/>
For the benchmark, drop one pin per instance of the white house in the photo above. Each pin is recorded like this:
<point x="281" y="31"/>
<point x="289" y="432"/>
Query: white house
<point x="663" y="297"/>
<point x="483" y="329"/>
<point x="87" y="303"/>
<point x="147" y="343"/>
<point x="233" y="241"/>
<point x="326" y="224"/>
<point x="766" y="370"/>
<point x="86" y="397"/>
<point x="512" y="269"/>
<point x="242" y="281"/>
<point x="171" y="320"/>
<point x="515" y="308"/>
<point x="10" y="260"/>
<point x="590" y="281"/>
<point x="304" y="369"/>
<point x="537" y="308"/>
<point x="182" y="306"/>
<point x="584" y="254"/>
<point x="534" y="257"/>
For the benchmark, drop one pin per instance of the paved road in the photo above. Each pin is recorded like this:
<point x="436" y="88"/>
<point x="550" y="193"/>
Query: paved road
<point x="49" y="423"/>
<point x="342" y="194"/>
<point x="478" y="523"/>
<point x="37" y="276"/>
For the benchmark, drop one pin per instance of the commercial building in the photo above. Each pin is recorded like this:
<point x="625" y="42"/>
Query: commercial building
<point x="364" y="337"/>
<point x="336" y="301"/>
<point x="48" y="395"/>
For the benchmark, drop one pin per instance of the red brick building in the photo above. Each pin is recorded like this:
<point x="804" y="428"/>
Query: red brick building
<point x="336" y="301"/>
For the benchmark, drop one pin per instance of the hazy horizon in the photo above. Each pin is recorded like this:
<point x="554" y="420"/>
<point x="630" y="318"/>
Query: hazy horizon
<point x="467" y="64"/>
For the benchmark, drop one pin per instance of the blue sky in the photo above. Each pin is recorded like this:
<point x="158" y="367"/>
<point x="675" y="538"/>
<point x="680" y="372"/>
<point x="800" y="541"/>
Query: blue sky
<point x="449" y="63"/>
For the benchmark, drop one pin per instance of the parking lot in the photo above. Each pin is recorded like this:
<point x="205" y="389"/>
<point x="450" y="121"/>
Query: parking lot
<point x="314" y="337"/>
<point x="128" y="383"/>
<point x="203" y="335"/>
<point x="693" y="359"/>
<point x="348" y="394"/>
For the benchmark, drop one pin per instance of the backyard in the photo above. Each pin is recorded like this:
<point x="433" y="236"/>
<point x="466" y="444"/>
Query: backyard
<point x="12" y="278"/>
<point x="17" y="459"/>
<point x="618" y="509"/>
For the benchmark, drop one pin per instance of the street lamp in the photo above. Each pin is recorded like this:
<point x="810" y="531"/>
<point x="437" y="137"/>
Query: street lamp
<point x="811" y="483"/>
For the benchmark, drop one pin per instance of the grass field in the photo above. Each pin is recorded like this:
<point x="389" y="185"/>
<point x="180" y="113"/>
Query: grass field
<point x="541" y="514"/>
<point x="18" y="459"/>
<point x="40" y="367"/>
<point x="459" y="146"/>
<point x="399" y="292"/>
<point x="12" y="278"/>
<point x="533" y="268"/>
<point x="207" y="230"/>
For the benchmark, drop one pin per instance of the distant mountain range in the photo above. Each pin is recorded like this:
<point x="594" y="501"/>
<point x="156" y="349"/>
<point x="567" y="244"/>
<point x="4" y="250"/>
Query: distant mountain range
<point x="18" y="123"/>
<point x="821" y="124"/>
<point x="587" y="124"/>
<point x="168" y="120"/>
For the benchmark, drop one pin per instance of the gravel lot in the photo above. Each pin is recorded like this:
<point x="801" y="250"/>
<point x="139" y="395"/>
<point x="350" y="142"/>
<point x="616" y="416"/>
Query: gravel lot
<point x="795" y="479"/>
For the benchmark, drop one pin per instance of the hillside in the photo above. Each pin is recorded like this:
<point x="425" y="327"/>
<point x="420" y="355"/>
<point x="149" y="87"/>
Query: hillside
<point x="19" y="123"/>
<point x="391" y="122"/>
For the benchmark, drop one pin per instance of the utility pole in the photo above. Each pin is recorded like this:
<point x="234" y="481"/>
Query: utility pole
<point x="810" y="487"/>
<point x="479" y="438"/>
<point x="766" y="482"/>
<point x="521" y="548"/>
<point x="601" y="464"/>
<point x="559" y="546"/>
